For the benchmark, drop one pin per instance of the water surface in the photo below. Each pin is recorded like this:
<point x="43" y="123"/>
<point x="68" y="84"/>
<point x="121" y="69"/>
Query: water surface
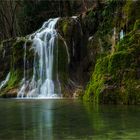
<point x="67" y="120"/>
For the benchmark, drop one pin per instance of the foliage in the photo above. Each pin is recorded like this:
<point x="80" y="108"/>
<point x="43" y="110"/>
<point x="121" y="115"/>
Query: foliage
<point x="115" y="77"/>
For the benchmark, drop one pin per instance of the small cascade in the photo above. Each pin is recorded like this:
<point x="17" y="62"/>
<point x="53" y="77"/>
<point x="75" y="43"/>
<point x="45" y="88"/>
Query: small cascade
<point x="42" y="82"/>
<point x="23" y="82"/>
<point x="121" y="34"/>
<point x="3" y="83"/>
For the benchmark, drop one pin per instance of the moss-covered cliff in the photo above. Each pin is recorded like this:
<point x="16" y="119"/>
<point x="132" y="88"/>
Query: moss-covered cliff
<point x="12" y="62"/>
<point x="116" y="77"/>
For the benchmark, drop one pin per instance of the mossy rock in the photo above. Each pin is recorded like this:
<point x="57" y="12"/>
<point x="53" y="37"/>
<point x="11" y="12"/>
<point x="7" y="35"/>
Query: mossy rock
<point x="63" y="61"/>
<point x="60" y="64"/>
<point x="96" y="84"/>
<point x="90" y="18"/>
<point x="18" y="53"/>
<point x="65" y="26"/>
<point x="9" y="93"/>
<point x="131" y="13"/>
<point x="130" y="41"/>
<point x="10" y="89"/>
<point x="6" y="57"/>
<point x="137" y="25"/>
<point x="16" y="65"/>
<point x="119" y="61"/>
<point x="115" y="79"/>
<point x="130" y="92"/>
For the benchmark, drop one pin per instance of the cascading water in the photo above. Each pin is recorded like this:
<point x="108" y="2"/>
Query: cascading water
<point x="4" y="82"/>
<point x="121" y="34"/>
<point x="42" y="84"/>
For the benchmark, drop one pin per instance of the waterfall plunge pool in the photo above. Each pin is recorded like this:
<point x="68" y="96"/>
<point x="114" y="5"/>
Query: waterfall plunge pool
<point x="67" y="120"/>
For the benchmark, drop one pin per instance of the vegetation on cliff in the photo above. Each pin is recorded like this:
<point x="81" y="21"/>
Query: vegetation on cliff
<point x="115" y="78"/>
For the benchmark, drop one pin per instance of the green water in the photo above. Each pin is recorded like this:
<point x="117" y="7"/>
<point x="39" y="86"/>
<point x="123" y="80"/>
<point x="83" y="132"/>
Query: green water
<point x="67" y="120"/>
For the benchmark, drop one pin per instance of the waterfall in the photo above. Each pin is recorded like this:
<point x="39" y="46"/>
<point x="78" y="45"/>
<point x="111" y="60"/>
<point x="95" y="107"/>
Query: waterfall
<point x="121" y="34"/>
<point x="44" y="44"/>
<point x="4" y="82"/>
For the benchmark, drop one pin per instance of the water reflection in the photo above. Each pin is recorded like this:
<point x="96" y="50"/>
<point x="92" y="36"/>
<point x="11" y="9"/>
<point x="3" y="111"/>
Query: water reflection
<point x="67" y="120"/>
<point x="44" y="119"/>
<point x="114" y="122"/>
<point x="37" y="121"/>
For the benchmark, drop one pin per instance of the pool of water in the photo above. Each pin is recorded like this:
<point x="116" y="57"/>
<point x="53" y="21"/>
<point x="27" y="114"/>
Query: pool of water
<point x="67" y="120"/>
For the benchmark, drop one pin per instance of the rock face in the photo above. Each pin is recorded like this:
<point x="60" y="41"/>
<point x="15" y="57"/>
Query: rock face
<point x="98" y="55"/>
<point x="115" y="78"/>
<point x="12" y="55"/>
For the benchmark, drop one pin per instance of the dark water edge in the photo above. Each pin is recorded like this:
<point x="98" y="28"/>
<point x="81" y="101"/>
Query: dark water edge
<point x="67" y="120"/>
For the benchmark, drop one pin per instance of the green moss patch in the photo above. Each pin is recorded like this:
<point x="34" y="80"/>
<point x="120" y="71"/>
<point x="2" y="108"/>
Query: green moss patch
<point x="115" y="78"/>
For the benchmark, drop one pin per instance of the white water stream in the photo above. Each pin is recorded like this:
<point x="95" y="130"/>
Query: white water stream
<point x="42" y="84"/>
<point x="3" y="83"/>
